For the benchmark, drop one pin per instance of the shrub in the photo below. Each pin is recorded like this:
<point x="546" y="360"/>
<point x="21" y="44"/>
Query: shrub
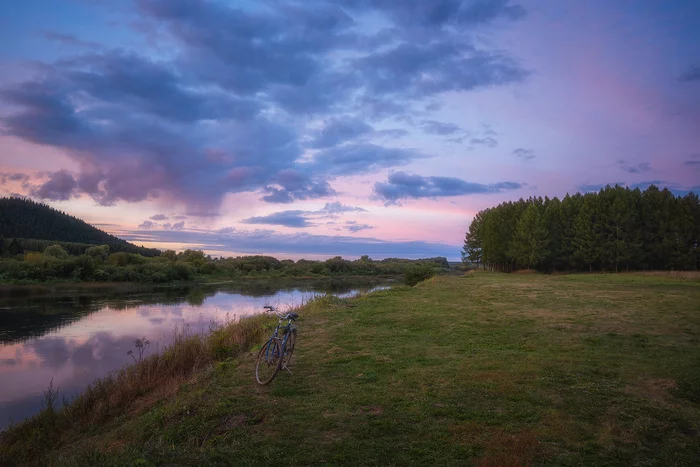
<point x="418" y="272"/>
<point x="56" y="251"/>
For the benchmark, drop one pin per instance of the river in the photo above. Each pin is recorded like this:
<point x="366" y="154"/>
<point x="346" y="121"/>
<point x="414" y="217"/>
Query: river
<point x="78" y="334"/>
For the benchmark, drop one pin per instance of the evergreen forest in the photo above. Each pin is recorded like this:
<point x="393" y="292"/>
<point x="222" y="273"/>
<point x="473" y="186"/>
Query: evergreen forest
<point x="615" y="229"/>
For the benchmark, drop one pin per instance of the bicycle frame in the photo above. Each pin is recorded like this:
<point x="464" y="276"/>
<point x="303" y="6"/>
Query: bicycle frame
<point x="275" y="335"/>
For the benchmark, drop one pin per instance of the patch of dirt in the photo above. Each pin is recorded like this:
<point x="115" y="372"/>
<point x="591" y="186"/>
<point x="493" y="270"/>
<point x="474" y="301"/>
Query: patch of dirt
<point x="501" y="448"/>
<point x="371" y="410"/>
<point x="657" y="389"/>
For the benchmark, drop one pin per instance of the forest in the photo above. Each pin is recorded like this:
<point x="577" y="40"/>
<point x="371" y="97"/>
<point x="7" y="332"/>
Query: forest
<point x="36" y="226"/>
<point x="615" y="229"/>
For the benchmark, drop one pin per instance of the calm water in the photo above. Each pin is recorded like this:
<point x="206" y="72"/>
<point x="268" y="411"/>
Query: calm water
<point x="80" y="335"/>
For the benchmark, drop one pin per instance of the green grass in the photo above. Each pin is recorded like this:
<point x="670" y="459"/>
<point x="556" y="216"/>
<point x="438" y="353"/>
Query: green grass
<point x="481" y="369"/>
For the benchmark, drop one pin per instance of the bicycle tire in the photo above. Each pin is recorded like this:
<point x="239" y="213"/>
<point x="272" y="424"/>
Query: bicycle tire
<point x="269" y="362"/>
<point x="289" y="348"/>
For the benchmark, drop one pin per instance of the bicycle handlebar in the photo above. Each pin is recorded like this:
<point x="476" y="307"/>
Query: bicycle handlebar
<point x="280" y="315"/>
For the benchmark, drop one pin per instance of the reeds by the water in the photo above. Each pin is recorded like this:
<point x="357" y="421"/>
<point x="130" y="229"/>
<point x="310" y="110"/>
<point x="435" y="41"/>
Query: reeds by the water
<point x="153" y="378"/>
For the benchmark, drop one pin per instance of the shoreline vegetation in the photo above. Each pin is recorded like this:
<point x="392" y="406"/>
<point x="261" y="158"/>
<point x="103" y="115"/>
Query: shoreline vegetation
<point x="487" y="368"/>
<point x="53" y="264"/>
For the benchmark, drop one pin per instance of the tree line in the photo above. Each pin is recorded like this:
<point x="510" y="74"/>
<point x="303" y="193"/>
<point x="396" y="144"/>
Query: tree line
<point x="612" y="230"/>
<point x="99" y="264"/>
<point x="34" y="226"/>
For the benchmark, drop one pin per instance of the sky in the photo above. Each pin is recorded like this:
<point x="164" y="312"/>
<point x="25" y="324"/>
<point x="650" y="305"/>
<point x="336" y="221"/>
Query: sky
<point x="319" y="128"/>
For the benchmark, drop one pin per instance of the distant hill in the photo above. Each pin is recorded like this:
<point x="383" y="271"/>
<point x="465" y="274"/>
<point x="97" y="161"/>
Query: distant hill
<point x="26" y="219"/>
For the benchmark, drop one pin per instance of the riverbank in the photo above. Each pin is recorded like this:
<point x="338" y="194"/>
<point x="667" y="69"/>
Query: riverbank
<point x="491" y="369"/>
<point x="8" y="290"/>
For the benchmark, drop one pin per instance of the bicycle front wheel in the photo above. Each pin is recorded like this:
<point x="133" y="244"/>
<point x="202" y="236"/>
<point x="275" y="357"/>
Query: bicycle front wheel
<point x="289" y="348"/>
<point x="269" y="362"/>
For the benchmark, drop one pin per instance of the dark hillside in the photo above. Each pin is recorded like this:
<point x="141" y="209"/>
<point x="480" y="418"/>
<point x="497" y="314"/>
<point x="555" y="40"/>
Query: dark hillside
<point x="26" y="219"/>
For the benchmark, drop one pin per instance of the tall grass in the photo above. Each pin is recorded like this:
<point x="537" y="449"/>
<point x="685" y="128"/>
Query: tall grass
<point x="148" y="380"/>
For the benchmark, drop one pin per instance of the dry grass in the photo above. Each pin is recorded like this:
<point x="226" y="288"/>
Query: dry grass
<point x="131" y="390"/>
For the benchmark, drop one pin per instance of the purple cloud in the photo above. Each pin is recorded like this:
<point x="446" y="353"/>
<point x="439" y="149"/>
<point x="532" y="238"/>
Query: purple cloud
<point x="440" y="128"/>
<point x="339" y="130"/>
<point x="293" y="218"/>
<point x="691" y="74"/>
<point x="488" y="141"/>
<point x="693" y="161"/>
<point x="353" y="226"/>
<point x="524" y="154"/>
<point x="634" y="168"/>
<point x="401" y="185"/>
<point x="60" y="186"/>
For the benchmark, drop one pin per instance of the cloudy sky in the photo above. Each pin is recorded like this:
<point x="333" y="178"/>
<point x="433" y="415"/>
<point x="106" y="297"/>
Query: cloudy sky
<point x="314" y="128"/>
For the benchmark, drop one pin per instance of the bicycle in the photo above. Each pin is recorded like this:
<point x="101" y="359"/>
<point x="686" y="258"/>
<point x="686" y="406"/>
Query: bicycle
<point x="276" y="353"/>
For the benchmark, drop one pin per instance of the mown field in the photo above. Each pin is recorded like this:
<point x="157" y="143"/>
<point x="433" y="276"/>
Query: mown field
<point x="481" y="369"/>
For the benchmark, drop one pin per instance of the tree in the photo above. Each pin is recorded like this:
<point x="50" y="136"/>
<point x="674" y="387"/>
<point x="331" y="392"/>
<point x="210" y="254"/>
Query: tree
<point x="530" y="241"/>
<point x="552" y="220"/>
<point x="56" y="251"/>
<point x="98" y="252"/>
<point x="14" y="248"/>
<point x="587" y="241"/>
<point x="473" y="242"/>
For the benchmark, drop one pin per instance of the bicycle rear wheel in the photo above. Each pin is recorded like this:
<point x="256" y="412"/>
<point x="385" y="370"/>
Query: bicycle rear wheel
<point x="289" y="348"/>
<point x="269" y="361"/>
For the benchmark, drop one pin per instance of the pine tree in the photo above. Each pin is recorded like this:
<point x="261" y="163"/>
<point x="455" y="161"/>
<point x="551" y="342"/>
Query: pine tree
<point x="473" y="242"/>
<point x="552" y="219"/>
<point x="586" y="241"/>
<point x="530" y="241"/>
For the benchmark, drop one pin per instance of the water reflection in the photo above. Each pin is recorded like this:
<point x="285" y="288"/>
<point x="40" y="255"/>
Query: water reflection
<point x="80" y="335"/>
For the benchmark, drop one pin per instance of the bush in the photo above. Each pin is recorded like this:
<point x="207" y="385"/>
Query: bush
<point x="56" y="251"/>
<point x="418" y="273"/>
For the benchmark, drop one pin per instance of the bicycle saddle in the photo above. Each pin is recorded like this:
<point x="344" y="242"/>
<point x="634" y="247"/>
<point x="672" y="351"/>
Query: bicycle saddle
<point x="292" y="315"/>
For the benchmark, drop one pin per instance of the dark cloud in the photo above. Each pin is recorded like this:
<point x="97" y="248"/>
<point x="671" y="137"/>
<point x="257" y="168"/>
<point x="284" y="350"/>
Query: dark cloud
<point x="401" y="185"/>
<point x="69" y="40"/>
<point x="290" y="185"/>
<point x="392" y="133"/>
<point x="199" y="214"/>
<point x="693" y="161"/>
<point x="422" y="70"/>
<point x="234" y="95"/>
<point x="634" y="168"/>
<point x="596" y="187"/>
<point x="524" y="154"/>
<point x="13" y="177"/>
<point x="159" y="217"/>
<point x="439" y="13"/>
<point x="59" y="187"/>
<point x="149" y="225"/>
<point x="337" y="207"/>
<point x="440" y="128"/>
<point x="298" y="218"/>
<point x="339" y="130"/>
<point x="361" y="158"/>
<point x="691" y="74"/>
<point x="285" y="218"/>
<point x="353" y="226"/>
<point x="488" y="141"/>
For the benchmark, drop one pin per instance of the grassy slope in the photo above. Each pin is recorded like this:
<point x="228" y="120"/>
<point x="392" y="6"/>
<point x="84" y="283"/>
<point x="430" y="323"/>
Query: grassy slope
<point x="494" y="369"/>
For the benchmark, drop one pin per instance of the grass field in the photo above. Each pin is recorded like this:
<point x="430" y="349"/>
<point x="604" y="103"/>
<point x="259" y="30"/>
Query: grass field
<point x="483" y="369"/>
